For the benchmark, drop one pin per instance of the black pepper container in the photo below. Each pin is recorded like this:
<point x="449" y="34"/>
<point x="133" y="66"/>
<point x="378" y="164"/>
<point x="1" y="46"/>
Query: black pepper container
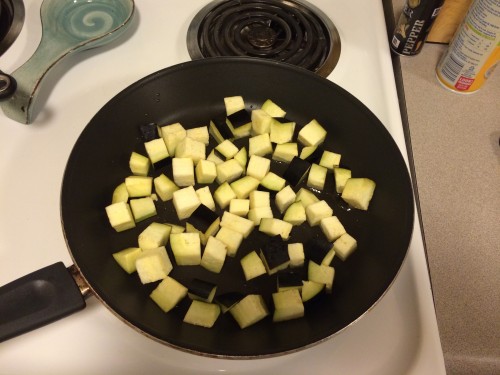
<point x="413" y="26"/>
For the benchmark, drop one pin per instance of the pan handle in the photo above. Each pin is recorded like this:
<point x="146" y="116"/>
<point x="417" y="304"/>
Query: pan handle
<point x="37" y="299"/>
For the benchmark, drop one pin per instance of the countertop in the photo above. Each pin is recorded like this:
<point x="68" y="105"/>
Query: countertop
<point x="456" y="153"/>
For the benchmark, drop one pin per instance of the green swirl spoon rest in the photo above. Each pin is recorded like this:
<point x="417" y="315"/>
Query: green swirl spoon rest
<point x="67" y="27"/>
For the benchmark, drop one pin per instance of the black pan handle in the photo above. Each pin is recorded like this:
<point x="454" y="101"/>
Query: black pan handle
<point x="8" y="86"/>
<point x="37" y="299"/>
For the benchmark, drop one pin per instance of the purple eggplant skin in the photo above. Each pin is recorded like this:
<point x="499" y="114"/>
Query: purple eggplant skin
<point x="240" y="118"/>
<point x="149" y="131"/>
<point x="275" y="252"/>
<point x="202" y="218"/>
<point x="296" y="171"/>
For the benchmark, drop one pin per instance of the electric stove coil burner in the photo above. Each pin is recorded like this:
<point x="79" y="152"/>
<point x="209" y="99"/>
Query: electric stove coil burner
<point x="294" y="32"/>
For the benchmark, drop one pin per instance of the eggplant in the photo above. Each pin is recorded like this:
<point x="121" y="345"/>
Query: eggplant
<point x="202" y="290"/>
<point x="296" y="171"/>
<point x="149" y="131"/>
<point x="202" y="218"/>
<point x="274" y="254"/>
<point x="239" y="118"/>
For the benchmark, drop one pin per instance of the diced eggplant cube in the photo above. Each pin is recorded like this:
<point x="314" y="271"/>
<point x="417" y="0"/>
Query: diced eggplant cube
<point x="202" y="218"/>
<point x="139" y="186"/>
<point x="344" y="246"/>
<point x="244" y="186"/>
<point x="183" y="171"/>
<point x="120" y="194"/>
<point x="202" y="314"/>
<point x="260" y="145"/>
<point x="258" y="167"/>
<point x="249" y="310"/>
<point x="168" y="293"/>
<point x="213" y="157"/>
<point x="237" y="223"/>
<point x="328" y="259"/>
<point x="274" y="227"/>
<point x="186" y="248"/>
<point x="288" y="280"/>
<point x="321" y="274"/>
<point x="157" y="152"/>
<point x="126" y="258"/>
<point x="239" y="118"/>
<point x="317" y="177"/>
<point x="316" y="249"/>
<point x="149" y="131"/>
<point x="284" y="198"/>
<point x="243" y="131"/>
<point x="228" y="300"/>
<point x="239" y="207"/>
<point x="153" y="265"/>
<point x="185" y="202"/>
<point x="312" y="134"/>
<point x="214" y="255"/>
<point x="312" y="154"/>
<point x="296" y="254"/>
<point x="252" y="266"/>
<point x="233" y="104"/>
<point x="358" y="192"/>
<point x="310" y="289"/>
<point x="227" y="149"/>
<point x="306" y="197"/>
<point x="259" y="198"/>
<point x="287" y="305"/>
<point x="228" y="171"/>
<point x="295" y="214"/>
<point x="139" y="164"/>
<point x="274" y="255"/>
<point x="199" y="134"/>
<point x="296" y="171"/>
<point x="273" y="109"/>
<point x="206" y="198"/>
<point x="142" y="208"/>
<point x="258" y="213"/>
<point x="120" y="216"/>
<point x="202" y="290"/>
<point x="155" y="235"/>
<point x="224" y="194"/>
<point x="332" y="228"/>
<point x="192" y="149"/>
<point x="261" y="121"/>
<point x="165" y="187"/>
<point x="231" y="238"/>
<point x="172" y="134"/>
<point x="219" y="129"/>
<point x="205" y="171"/>
<point x="341" y="175"/>
<point x="330" y="160"/>
<point x="281" y="133"/>
<point x="317" y="211"/>
<point x="242" y="157"/>
<point x="285" y="152"/>
<point x="273" y="182"/>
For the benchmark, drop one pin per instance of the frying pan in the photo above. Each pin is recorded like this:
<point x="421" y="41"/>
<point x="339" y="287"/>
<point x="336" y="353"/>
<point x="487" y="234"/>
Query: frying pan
<point x="192" y="93"/>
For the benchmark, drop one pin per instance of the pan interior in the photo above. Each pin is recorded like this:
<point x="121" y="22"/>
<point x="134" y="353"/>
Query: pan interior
<point x="192" y="93"/>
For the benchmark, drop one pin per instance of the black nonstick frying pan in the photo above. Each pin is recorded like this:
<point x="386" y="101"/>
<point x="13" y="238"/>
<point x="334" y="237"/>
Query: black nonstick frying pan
<point x="192" y="93"/>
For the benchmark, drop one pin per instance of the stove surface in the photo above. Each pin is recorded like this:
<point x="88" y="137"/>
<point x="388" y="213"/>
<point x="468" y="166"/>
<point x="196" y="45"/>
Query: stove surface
<point x="398" y="336"/>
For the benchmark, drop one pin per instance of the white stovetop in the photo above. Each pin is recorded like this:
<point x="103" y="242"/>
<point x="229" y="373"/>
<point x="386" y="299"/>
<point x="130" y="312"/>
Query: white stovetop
<point x="398" y="336"/>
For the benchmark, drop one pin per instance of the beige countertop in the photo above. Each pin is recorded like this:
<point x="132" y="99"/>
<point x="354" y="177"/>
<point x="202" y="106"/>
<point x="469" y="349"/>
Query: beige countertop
<point x="456" y="151"/>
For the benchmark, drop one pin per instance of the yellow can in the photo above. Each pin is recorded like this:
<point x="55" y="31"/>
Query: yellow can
<point x="474" y="50"/>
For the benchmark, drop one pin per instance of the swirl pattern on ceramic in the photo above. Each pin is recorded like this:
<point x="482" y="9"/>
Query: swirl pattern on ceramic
<point x="86" y="19"/>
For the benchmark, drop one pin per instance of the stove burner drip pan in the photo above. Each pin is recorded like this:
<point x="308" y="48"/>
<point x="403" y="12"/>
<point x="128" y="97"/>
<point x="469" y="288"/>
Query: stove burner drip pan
<point x="289" y="31"/>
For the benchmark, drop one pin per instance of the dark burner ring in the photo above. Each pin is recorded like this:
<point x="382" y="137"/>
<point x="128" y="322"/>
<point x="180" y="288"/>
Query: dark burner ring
<point x="291" y="31"/>
<point x="261" y="36"/>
